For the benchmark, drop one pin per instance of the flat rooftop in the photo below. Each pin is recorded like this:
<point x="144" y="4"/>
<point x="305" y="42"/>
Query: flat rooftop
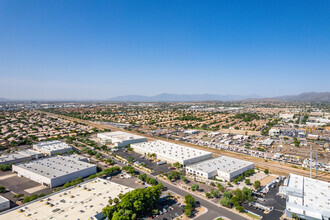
<point x="52" y="145"/>
<point x="120" y="135"/>
<point x="167" y="149"/>
<point x="80" y="202"/>
<point x="18" y="155"/>
<point x="53" y="167"/>
<point x="3" y="199"/>
<point x="76" y="157"/>
<point x="222" y="163"/>
<point x="316" y="193"/>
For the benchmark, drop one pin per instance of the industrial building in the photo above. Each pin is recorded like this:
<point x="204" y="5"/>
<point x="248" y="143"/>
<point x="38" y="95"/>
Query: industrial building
<point x="54" y="171"/>
<point x="307" y="198"/>
<point x="77" y="157"/>
<point x="119" y="138"/>
<point x="172" y="152"/>
<point x="4" y="203"/>
<point x="20" y="156"/>
<point x="84" y="201"/>
<point x="52" y="147"/>
<point x="225" y="168"/>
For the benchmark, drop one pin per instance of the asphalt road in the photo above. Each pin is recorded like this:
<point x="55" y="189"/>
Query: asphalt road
<point x="213" y="210"/>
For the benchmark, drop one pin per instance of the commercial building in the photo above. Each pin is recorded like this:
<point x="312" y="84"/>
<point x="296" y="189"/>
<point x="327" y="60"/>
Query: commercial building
<point x="119" y="138"/>
<point x="77" y="157"/>
<point x="54" y="171"/>
<point x="190" y="132"/>
<point x="287" y="116"/>
<point x="84" y="201"/>
<point x="4" y="203"/>
<point x="52" y="147"/>
<point x="172" y="152"/>
<point x="307" y="198"/>
<point x="20" y="156"/>
<point x="225" y="168"/>
<point x="274" y="132"/>
<point x="267" y="142"/>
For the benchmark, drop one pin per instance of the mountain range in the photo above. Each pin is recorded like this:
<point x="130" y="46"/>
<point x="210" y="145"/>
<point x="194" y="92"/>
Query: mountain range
<point x="165" y="97"/>
<point x="307" y="97"/>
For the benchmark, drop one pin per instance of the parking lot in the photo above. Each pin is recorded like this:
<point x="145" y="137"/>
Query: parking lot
<point x="270" y="199"/>
<point x="18" y="185"/>
<point x="129" y="182"/>
<point x="164" y="168"/>
<point x="169" y="209"/>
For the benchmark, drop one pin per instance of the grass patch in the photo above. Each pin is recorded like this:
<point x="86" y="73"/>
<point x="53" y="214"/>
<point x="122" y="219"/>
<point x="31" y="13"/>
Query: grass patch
<point x="252" y="216"/>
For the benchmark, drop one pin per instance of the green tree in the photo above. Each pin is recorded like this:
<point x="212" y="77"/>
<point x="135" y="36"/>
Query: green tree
<point x="130" y="159"/>
<point x="220" y="187"/>
<point x="296" y="142"/>
<point x="266" y="171"/>
<point x="183" y="178"/>
<point x="239" y="208"/>
<point x="257" y="184"/>
<point x="226" y="202"/>
<point x="247" y="181"/>
<point x="2" y="189"/>
<point x="177" y="165"/>
<point x="195" y="187"/>
<point x="188" y="210"/>
<point x="18" y="196"/>
<point x="190" y="200"/>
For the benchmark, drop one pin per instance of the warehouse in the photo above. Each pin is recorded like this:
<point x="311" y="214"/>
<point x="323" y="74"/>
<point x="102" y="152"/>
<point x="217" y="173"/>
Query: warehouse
<point x="77" y="157"/>
<point x="52" y="147"/>
<point x="225" y="168"/>
<point x="120" y="139"/>
<point x="172" y="152"/>
<point x="54" y="171"/>
<point x="20" y="156"/>
<point x="89" y="198"/>
<point x="307" y="198"/>
<point x="4" y="203"/>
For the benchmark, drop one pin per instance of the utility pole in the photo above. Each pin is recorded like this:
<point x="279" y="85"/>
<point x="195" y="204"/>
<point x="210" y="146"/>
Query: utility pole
<point x="316" y="161"/>
<point x="167" y="132"/>
<point x="310" y="161"/>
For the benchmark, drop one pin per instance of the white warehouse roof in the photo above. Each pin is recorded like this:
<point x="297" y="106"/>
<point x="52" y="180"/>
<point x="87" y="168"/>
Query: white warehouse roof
<point x="170" y="150"/>
<point x="51" y="146"/>
<point x="53" y="167"/>
<point x="222" y="163"/>
<point x="119" y="135"/>
<point x="309" y="193"/>
<point x="84" y="201"/>
<point x="18" y="156"/>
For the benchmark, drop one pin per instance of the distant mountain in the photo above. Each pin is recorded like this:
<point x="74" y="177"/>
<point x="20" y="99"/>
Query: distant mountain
<point x="3" y="100"/>
<point x="307" y="97"/>
<point x="165" y="97"/>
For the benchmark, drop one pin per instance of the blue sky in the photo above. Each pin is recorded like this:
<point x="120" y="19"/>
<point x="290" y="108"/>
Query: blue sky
<point x="99" y="49"/>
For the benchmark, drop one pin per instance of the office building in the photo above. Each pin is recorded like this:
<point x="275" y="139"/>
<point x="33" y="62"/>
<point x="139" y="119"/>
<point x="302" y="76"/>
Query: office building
<point x="225" y="168"/>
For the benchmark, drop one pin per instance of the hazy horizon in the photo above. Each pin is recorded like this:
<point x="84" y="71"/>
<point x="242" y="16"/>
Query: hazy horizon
<point x="86" y="50"/>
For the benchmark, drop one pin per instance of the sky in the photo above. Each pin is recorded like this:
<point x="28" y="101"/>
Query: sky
<point x="81" y="49"/>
